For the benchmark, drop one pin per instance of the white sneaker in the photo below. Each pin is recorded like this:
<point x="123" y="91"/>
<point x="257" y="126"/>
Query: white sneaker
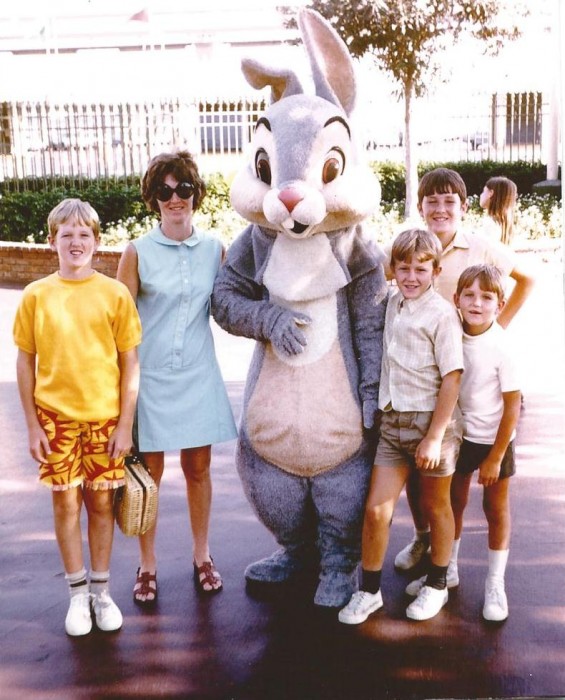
<point x="452" y="579"/>
<point x="496" y="604"/>
<point x="106" y="613"/>
<point x="428" y="603"/>
<point x="411" y="555"/>
<point x="79" y="621"/>
<point x="361" y="605"/>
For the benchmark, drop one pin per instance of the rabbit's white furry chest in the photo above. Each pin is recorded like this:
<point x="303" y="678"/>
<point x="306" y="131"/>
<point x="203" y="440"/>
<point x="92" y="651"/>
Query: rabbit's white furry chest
<point x="296" y="417"/>
<point x="305" y="276"/>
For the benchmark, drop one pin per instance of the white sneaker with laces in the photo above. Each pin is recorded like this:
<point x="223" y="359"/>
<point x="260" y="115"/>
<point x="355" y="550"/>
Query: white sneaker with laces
<point x="428" y="603"/>
<point x="414" y="587"/>
<point x="411" y="555"/>
<point x="106" y="613"/>
<point x="361" y="605"/>
<point x="496" y="604"/>
<point x="79" y="621"/>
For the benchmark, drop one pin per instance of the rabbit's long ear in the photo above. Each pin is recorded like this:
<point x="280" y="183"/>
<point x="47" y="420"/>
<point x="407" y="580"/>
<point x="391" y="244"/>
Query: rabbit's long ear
<point x="332" y="66"/>
<point x="283" y="82"/>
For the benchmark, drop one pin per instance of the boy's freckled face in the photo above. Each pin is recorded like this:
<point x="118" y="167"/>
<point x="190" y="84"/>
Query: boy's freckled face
<point x="75" y="245"/>
<point x="414" y="277"/>
<point x="443" y="214"/>
<point x="479" y="308"/>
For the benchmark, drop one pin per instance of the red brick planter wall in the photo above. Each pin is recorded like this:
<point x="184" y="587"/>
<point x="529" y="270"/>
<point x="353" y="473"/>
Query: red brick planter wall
<point x="21" y="263"/>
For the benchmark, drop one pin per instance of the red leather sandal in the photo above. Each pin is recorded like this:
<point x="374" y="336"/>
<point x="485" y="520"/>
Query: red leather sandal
<point x="207" y="575"/>
<point x="145" y="584"/>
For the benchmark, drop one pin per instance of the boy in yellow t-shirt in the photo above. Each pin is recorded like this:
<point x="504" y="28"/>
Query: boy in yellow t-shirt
<point x="77" y="333"/>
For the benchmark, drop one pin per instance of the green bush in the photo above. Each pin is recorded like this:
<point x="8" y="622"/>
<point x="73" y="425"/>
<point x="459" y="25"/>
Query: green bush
<point x="23" y="214"/>
<point x="524" y="174"/>
<point x="475" y="175"/>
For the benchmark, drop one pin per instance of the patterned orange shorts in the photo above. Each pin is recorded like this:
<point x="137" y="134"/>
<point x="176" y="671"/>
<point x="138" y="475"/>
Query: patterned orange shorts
<point x="79" y="453"/>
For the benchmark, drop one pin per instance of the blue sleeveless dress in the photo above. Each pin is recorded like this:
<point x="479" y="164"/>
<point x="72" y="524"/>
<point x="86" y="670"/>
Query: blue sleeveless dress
<point x="182" y="397"/>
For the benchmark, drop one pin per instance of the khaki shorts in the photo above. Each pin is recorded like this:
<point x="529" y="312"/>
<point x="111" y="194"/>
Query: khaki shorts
<point x="79" y="453"/>
<point x="402" y="432"/>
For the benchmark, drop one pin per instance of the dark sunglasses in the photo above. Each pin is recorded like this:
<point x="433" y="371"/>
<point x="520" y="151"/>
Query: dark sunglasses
<point x="184" y="190"/>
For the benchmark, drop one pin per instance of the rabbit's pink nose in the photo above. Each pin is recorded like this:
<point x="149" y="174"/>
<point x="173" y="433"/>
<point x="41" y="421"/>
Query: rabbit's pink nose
<point x="290" y="197"/>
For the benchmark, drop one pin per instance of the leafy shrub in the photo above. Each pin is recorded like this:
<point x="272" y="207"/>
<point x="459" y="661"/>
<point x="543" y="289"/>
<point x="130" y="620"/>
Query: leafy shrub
<point x="524" y="174"/>
<point x="23" y="214"/>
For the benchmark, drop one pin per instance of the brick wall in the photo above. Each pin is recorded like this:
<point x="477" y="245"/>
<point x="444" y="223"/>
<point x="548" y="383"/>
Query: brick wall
<point x="22" y="263"/>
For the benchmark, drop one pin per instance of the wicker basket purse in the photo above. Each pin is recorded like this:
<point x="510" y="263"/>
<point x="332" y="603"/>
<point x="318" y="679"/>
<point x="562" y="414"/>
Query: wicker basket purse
<point x="135" y="503"/>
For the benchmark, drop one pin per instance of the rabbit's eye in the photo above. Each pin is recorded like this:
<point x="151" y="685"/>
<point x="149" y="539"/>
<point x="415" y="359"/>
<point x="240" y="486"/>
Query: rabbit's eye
<point x="333" y="167"/>
<point x="263" y="167"/>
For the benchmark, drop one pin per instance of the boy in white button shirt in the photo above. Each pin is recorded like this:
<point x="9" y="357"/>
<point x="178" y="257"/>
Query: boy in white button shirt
<point x="420" y="377"/>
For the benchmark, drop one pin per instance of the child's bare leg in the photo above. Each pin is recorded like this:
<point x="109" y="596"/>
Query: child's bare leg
<point x="386" y="486"/>
<point x="66" y="510"/>
<point x="436" y="501"/>
<point x="460" y="486"/>
<point x="67" y="506"/>
<point x="99" y="504"/>
<point x="413" y="496"/>
<point x="385" y="489"/>
<point x="496" y="506"/>
<point x="497" y="510"/>
<point x="410" y="555"/>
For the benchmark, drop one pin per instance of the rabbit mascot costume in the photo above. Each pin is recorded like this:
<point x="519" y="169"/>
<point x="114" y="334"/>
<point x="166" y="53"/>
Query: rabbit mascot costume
<point x="304" y="282"/>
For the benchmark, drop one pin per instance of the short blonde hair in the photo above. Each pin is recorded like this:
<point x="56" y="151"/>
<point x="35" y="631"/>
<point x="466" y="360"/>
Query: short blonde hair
<point x="76" y="210"/>
<point x="489" y="276"/>
<point x="415" y="243"/>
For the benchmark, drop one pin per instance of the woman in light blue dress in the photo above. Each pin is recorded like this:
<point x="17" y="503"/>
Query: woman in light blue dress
<point x="183" y="404"/>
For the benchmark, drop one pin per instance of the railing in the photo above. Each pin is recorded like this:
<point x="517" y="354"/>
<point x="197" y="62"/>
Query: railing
<point x="504" y="127"/>
<point x="86" y="141"/>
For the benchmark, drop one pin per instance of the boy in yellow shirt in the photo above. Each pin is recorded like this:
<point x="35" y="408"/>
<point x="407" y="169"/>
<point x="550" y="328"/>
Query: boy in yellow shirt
<point x="77" y="333"/>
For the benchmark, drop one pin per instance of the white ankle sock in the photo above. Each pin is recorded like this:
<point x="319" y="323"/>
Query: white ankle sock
<point x="497" y="559"/>
<point x="77" y="582"/>
<point x="99" y="581"/>
<point x="455" y="551"/>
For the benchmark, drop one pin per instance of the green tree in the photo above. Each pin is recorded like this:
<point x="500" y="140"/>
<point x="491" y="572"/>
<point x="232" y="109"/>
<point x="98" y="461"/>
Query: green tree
<point x="407" y="37"/>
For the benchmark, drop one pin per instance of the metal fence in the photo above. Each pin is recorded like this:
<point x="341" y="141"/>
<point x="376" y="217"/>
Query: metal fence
<point x="40" y="140"/>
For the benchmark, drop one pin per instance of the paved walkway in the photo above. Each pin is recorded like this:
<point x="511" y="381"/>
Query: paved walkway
<point x="244" y="646"/>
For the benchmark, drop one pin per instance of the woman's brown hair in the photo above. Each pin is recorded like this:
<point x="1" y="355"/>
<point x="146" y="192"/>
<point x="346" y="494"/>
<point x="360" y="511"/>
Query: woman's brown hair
<point x="182" y="166"/>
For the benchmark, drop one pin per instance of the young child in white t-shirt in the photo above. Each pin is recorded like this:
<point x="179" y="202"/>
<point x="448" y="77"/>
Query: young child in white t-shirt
<point x="489" y="400"/>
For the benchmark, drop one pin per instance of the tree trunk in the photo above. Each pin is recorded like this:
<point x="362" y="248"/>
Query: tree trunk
<point x="410" y="160"/>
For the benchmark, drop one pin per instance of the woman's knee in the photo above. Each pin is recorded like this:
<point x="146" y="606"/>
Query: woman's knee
<point x="195" y="463"/>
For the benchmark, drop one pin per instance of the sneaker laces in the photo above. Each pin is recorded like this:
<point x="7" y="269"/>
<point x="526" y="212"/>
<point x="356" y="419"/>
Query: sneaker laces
<point x="494" y="594"/>
<point x="79" y="600"/>
<point x="102" y="600"/>
<point x="418" y="547"/>
<point x="358" y="600"/>
<point x="425" y="593"/>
